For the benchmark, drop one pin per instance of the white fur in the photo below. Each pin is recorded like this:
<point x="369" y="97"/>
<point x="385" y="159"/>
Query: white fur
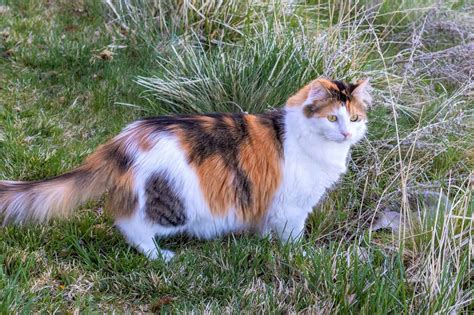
<point x="315" y="157"/>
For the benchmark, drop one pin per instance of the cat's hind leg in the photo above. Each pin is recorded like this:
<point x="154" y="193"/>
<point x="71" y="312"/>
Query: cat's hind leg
<point x="140" y="233"/>
<point x="161" y="212"/>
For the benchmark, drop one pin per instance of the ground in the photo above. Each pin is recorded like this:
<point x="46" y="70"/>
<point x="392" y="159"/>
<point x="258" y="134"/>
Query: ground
<point x="395" y="236"/>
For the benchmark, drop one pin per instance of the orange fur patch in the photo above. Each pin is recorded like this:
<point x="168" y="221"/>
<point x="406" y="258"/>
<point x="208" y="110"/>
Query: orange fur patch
<point x="327" y="110"/>
<point x="122" y="200"/>
<point x="216" y="185"/>
<point x="302" y="95"/>
<point x="229" y="122"/>
<point x="144" y="143"/>
<point x="259" y="159"/>
<point x="358" y="108"/>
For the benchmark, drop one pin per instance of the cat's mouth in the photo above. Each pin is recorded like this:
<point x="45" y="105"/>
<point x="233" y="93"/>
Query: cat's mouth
<point x="337" y="139"/>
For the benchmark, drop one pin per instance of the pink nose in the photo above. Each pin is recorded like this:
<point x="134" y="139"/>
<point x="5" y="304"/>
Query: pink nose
<point x="346" y="134"/>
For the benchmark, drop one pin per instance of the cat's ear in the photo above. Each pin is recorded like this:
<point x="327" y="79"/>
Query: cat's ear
<point x="317" y="90"/>
<point x="363" y="91"/>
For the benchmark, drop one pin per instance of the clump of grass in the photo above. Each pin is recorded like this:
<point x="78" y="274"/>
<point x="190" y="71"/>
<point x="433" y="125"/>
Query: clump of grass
<point x="252" y="75"/>
<point x="256" y="73"/>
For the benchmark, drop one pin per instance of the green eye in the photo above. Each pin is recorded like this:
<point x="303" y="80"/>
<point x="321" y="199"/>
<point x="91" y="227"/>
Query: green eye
<point x="331" y="118"/>
<point x="355" y="118"/>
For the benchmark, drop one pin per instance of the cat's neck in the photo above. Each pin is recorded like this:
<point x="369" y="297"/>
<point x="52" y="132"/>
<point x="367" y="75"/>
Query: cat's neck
<point x="299" y="137"/>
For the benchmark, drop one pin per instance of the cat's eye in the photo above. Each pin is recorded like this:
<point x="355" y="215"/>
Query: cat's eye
<point x="355" y="117"/>
<point x="331" y="118"/>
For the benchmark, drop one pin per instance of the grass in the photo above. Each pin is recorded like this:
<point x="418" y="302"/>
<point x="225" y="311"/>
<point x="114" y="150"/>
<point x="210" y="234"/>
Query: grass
<point x="74" y="73"/>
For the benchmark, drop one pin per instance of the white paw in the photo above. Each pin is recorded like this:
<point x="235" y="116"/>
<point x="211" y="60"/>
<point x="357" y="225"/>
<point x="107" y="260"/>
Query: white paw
<point x="152" y="254"/>
<point x="166" y="255"/>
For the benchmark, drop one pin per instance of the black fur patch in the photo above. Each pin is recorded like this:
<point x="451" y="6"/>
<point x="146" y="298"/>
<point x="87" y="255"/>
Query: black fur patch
<point x="243" y="188"/>
<point x="115" y="153"/>
<point x="344" y="91"/>
<point x="221" y="139"/>
<point x="202" y="144"/>
<point x="275" y="120"/>
<point x="163" y="205"/>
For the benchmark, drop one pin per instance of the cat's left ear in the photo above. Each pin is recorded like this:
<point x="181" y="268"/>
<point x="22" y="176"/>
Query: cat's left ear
<point x="363" y="91"/>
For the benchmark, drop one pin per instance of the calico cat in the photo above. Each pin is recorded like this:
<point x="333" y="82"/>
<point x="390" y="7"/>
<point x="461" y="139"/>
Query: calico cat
<point x="205" y="175"/>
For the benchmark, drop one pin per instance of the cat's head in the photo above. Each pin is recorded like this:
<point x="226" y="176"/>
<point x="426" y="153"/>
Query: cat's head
<point x="333" y="109"/>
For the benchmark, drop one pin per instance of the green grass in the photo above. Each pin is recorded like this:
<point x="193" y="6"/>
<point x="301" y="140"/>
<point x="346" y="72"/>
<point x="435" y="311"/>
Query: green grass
<point x="59" y="99"/>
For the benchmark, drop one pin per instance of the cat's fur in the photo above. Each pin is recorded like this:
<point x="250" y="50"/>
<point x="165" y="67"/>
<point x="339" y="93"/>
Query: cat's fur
<point x="205" y="175"/>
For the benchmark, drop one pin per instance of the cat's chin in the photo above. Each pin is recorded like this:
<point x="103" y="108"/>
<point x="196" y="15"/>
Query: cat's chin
<point x="336" y="139"/>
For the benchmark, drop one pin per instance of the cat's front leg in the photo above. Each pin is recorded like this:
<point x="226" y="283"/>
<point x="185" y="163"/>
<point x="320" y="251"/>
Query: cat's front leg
<point x="264" y="230"/>
<point x="289" y="223"/>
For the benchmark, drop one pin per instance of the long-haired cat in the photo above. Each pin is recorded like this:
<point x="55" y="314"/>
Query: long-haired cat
<point x="205" y="175"/>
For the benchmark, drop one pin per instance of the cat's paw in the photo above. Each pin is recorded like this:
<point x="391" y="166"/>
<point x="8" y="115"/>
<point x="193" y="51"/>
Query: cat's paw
<point x="166" y="255"/>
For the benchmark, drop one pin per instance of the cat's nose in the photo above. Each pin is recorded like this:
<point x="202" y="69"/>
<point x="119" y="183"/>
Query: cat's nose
<point x="346" y="134"/>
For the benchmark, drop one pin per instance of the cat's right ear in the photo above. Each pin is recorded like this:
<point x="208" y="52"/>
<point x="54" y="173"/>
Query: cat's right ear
<point x="315" y="91"/>
<point x="363" y="92"/>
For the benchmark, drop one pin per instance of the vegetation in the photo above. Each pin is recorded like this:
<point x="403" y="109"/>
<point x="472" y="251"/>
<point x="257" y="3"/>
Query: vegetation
<point x="395" y="236"/>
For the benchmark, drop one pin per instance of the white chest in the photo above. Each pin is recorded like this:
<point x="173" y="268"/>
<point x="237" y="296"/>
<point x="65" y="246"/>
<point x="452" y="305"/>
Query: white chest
<point x="305" y="182"/>
<point x="309" y="170"/>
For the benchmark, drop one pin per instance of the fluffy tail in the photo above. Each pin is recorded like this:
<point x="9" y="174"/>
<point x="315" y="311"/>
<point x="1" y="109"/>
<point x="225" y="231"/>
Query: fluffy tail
<point x="41" y="200"/>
